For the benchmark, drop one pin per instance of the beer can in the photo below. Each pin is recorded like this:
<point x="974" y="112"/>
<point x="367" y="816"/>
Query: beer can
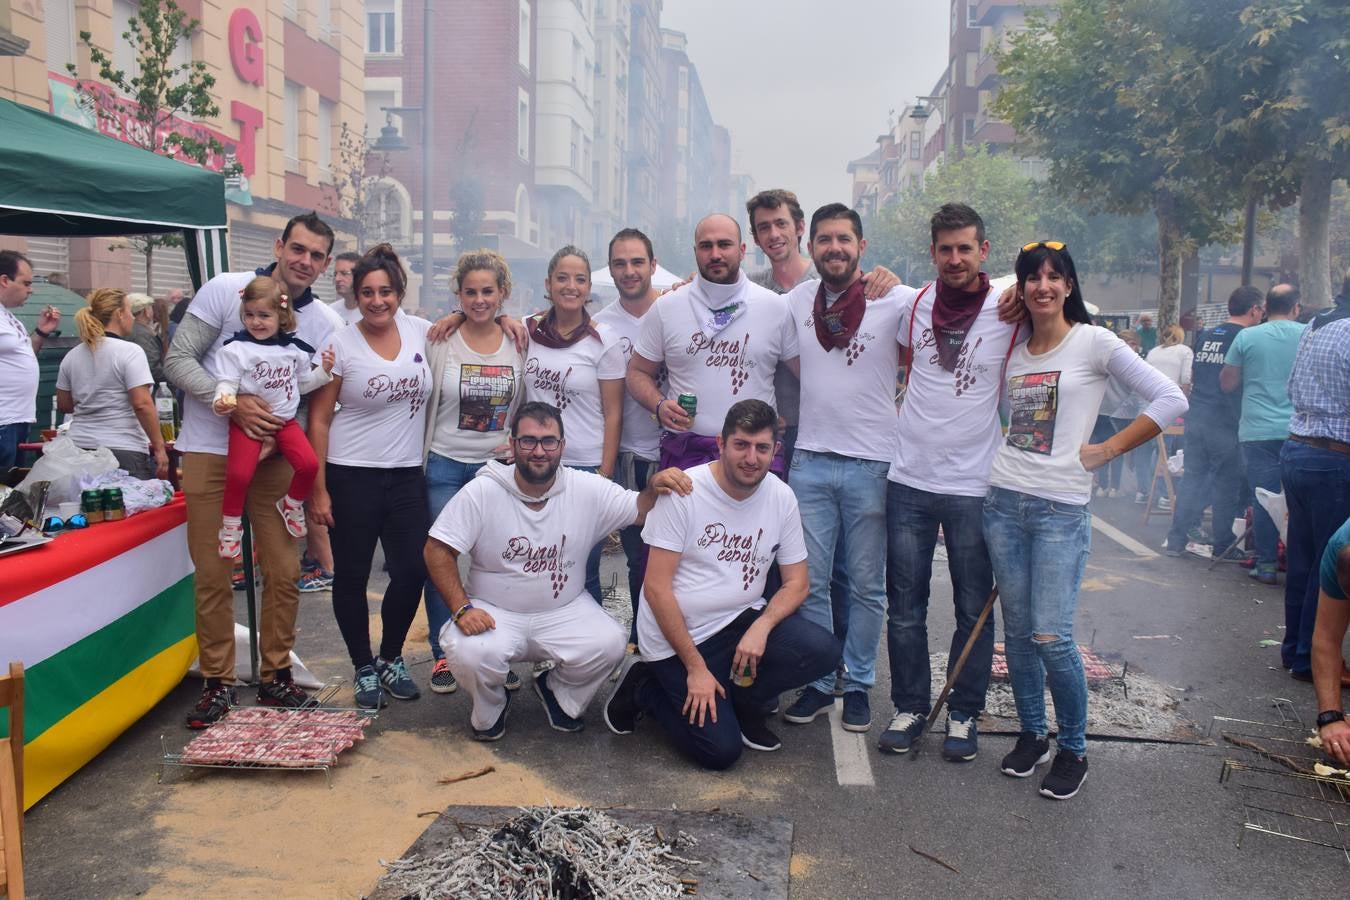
<point x="113" y="509"/>
<point x="688" y="403"/>
<point x="91" y="504"/>
<point x="744" y="678"/>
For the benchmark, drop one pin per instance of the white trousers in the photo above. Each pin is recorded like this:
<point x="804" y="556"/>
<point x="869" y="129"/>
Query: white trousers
<point x="584" y="641"/>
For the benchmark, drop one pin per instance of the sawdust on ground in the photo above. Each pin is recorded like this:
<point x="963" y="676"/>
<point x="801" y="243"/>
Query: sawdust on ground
<point x="289" y="834"/>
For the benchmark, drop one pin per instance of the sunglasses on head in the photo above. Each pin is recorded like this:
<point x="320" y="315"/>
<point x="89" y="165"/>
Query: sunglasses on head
<point x="1053" y="245"/>
<point x="53" y="524"/>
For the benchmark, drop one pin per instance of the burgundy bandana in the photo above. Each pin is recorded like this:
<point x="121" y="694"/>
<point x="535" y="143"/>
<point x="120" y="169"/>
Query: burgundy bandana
<point x="954" y="311"/>
<point x="544" y="330"/>
<point x="836" y="326"/>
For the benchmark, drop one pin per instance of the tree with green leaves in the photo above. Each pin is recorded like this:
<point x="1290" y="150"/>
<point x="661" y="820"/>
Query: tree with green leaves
<point x="148" y="101"/>
<point x="1067" y="85"/>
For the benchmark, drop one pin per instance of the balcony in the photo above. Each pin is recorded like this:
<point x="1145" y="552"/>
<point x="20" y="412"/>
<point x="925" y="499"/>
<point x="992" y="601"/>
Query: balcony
<point x="986" y="71"/>
<point x="990" y="12"/>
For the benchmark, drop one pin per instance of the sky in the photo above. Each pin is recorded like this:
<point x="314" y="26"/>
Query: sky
<point x="806" y="85"/>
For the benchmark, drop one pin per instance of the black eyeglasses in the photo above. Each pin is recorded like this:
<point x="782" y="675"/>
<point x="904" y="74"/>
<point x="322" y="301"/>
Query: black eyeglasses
<point x="549" y="443"/>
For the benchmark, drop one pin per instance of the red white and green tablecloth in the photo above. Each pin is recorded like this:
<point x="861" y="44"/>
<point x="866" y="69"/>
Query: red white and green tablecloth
<point x="102" y="620"/>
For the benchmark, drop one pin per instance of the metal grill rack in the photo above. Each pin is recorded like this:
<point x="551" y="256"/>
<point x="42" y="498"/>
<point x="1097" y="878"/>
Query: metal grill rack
<point x="1271" y="764"/>
<point x="278" y="762"/>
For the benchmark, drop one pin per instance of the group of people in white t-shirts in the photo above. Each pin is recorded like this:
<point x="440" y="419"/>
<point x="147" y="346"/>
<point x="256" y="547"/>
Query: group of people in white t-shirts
<point x="522" y="446"/>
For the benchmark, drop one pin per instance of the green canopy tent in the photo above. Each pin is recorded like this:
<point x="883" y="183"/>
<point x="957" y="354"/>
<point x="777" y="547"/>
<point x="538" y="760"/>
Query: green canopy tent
<point x="60" y="179"/>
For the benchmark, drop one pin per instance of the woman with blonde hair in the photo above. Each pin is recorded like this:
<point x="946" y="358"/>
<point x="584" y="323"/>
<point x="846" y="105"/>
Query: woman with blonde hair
<point x="477" y="381"/>
<point x="1172" y="357"/>
<point x="105" y="382"/>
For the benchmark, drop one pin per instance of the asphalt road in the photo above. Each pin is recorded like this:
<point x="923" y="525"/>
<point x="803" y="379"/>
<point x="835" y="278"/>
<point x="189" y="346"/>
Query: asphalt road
<point x="1151" y="821"/>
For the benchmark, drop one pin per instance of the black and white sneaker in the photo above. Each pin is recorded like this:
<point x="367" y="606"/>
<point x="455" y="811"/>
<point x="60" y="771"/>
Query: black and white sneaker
<point x="621" y="711"/>
<point x="498" y="728"/>
<point x="756" y="735"/>
<point x="557" y="719"/>
<point x="1066" y="776"/>
<point x="212" y="706"/>
<point x="1029" y="752"/>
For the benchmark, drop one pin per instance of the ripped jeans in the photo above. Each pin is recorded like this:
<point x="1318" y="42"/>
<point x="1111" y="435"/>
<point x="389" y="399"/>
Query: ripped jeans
<point x="1039" y="550"/>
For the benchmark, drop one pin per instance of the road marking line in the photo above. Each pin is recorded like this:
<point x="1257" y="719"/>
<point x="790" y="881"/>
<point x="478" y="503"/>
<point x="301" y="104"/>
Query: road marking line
<point x="851" y="763"/>
<point x="1123" y="539"/>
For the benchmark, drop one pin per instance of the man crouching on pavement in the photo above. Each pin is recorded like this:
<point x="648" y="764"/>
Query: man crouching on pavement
<point x="714" y="656"/>
<point x="527" y="529"/>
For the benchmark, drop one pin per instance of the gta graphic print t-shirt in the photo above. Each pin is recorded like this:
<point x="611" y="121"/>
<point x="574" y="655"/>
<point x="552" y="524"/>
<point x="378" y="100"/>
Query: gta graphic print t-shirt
<point x="531" y="561"/>
<point x="479" y="392"/>
<point x="382" y="414"/>
<point x="726" y="547"/>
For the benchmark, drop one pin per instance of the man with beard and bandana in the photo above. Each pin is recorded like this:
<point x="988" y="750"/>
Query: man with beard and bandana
<point x="844" y="449"/>
<point x="527" y="529"/>
<point x="720" y="337"/>
<point x="631" y="264"/>
<point x="714" y="652"/>
<point x="948" y="433"/>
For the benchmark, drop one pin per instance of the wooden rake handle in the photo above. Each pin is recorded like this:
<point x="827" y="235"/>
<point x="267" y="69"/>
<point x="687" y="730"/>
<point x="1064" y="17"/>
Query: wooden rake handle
<point x="955" y="672"/>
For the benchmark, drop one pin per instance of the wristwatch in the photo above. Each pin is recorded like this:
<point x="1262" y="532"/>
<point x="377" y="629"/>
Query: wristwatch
<point x="1327" y="716"/>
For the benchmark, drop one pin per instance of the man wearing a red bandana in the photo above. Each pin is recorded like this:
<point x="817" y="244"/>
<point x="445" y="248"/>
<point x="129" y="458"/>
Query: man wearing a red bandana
<point x="844" y="447"/>
<point x="948" y="431"/>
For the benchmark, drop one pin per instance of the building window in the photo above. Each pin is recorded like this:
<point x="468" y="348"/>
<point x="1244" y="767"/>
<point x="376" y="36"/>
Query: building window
<point x="291" y="9"/>
<point x="969" y="135"/>
<point x="574" y="159"/>
<point x="972" y="16"/>
<point x="586" y="160"/>
<point x="381" y="27"/>
<point x="523" y="39"/>
<point x="292" y="125"/>
<point x="59" y="16"/>
<point x="323" y="17"/>
<point x="578" y="62"/>
<point x="376" y="117"/>
<point x="327" y="114"/>
<point x="915" y="144"/>
<point x="523" y="126"/>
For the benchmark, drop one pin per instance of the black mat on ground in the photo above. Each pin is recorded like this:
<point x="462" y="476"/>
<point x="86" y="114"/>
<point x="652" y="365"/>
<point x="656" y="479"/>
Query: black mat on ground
<point x="742" y="858"/>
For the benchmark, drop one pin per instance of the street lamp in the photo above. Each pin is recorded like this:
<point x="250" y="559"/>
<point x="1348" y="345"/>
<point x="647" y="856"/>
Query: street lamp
<point x="922" y="112"/>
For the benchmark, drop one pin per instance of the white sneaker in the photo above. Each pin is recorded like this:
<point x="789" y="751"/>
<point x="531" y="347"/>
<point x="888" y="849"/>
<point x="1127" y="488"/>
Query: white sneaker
<point x="293" y="514"/>
<point x="230" y="535"/>
<point x="1204" y="551"/>
<point x="1164" y="503"/>
<point x="1140" y="497"/>
<point x="1113" y="492"/>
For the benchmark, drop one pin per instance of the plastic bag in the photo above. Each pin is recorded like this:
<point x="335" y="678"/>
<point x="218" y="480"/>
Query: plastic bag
<point x="1176" y="464"/>
<point x="1274" y="504"/>
<point x="65" y="466"/>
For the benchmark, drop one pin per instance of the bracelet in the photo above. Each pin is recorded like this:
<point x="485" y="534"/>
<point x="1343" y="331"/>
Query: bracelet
<point x="455" y="616"/>
<point x="47" y="335"/>
<point x="656" y="414"/>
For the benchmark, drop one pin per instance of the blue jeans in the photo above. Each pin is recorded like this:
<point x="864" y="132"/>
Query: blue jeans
<point x="1317" y="489"/>
<point x="1263" y="471"/>
<point x="839" y="495"/>
<point x="795" y="653"/>
<point x="1040" y="550"/>
<point x="1214" y="478"/>
<point x="912" y="518"/>
<point x="1142" y="459"/>
<point x="444" y="479"/>
<point x="634" y="550"/>
<point x="11" y="436"/>
<point x="593" y="559"/>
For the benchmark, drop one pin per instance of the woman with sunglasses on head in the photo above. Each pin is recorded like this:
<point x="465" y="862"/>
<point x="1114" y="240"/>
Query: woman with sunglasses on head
<point x="578" y="366"/>
<point x="1036" y="519"/>
<point x="372" y="487"/>
<point x="476" y="385"/>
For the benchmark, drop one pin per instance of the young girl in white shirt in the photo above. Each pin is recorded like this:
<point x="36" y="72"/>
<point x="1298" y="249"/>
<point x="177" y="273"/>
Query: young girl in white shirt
<point x="267" y="360"/>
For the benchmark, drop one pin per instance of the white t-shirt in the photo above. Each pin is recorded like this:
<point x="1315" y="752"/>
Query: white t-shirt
<point x="948" y="427"/>
<point x="217" y="306"/>
<point x="737" y="364"/>
<point x="531" y="561"/>
<point x="726" y="547"/>
<point x="99" y="380"/>
<point x="641" y="435"/>
<point x="276" y="374"/>
<point x="382" y="404"/>
<point x="848" y="395"/>
<point x="19" y="371"/>
<point x="1174" y="362"/>
<point x="479" y="393"/>
<point x="1053" y="401"/>
<point x="569" y="378"/>
<point x="348" y="316"/>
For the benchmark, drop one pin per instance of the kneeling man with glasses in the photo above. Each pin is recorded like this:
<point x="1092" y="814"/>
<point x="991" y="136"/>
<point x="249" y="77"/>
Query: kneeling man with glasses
<point x="527" y="529"/>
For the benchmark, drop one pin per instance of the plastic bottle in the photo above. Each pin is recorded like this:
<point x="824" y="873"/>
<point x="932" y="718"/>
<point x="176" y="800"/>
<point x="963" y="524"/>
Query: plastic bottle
<point x="164" y="409"/>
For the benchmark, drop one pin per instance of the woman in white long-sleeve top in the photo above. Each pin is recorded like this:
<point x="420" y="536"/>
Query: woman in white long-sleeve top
<point x="1036" y="520"/>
